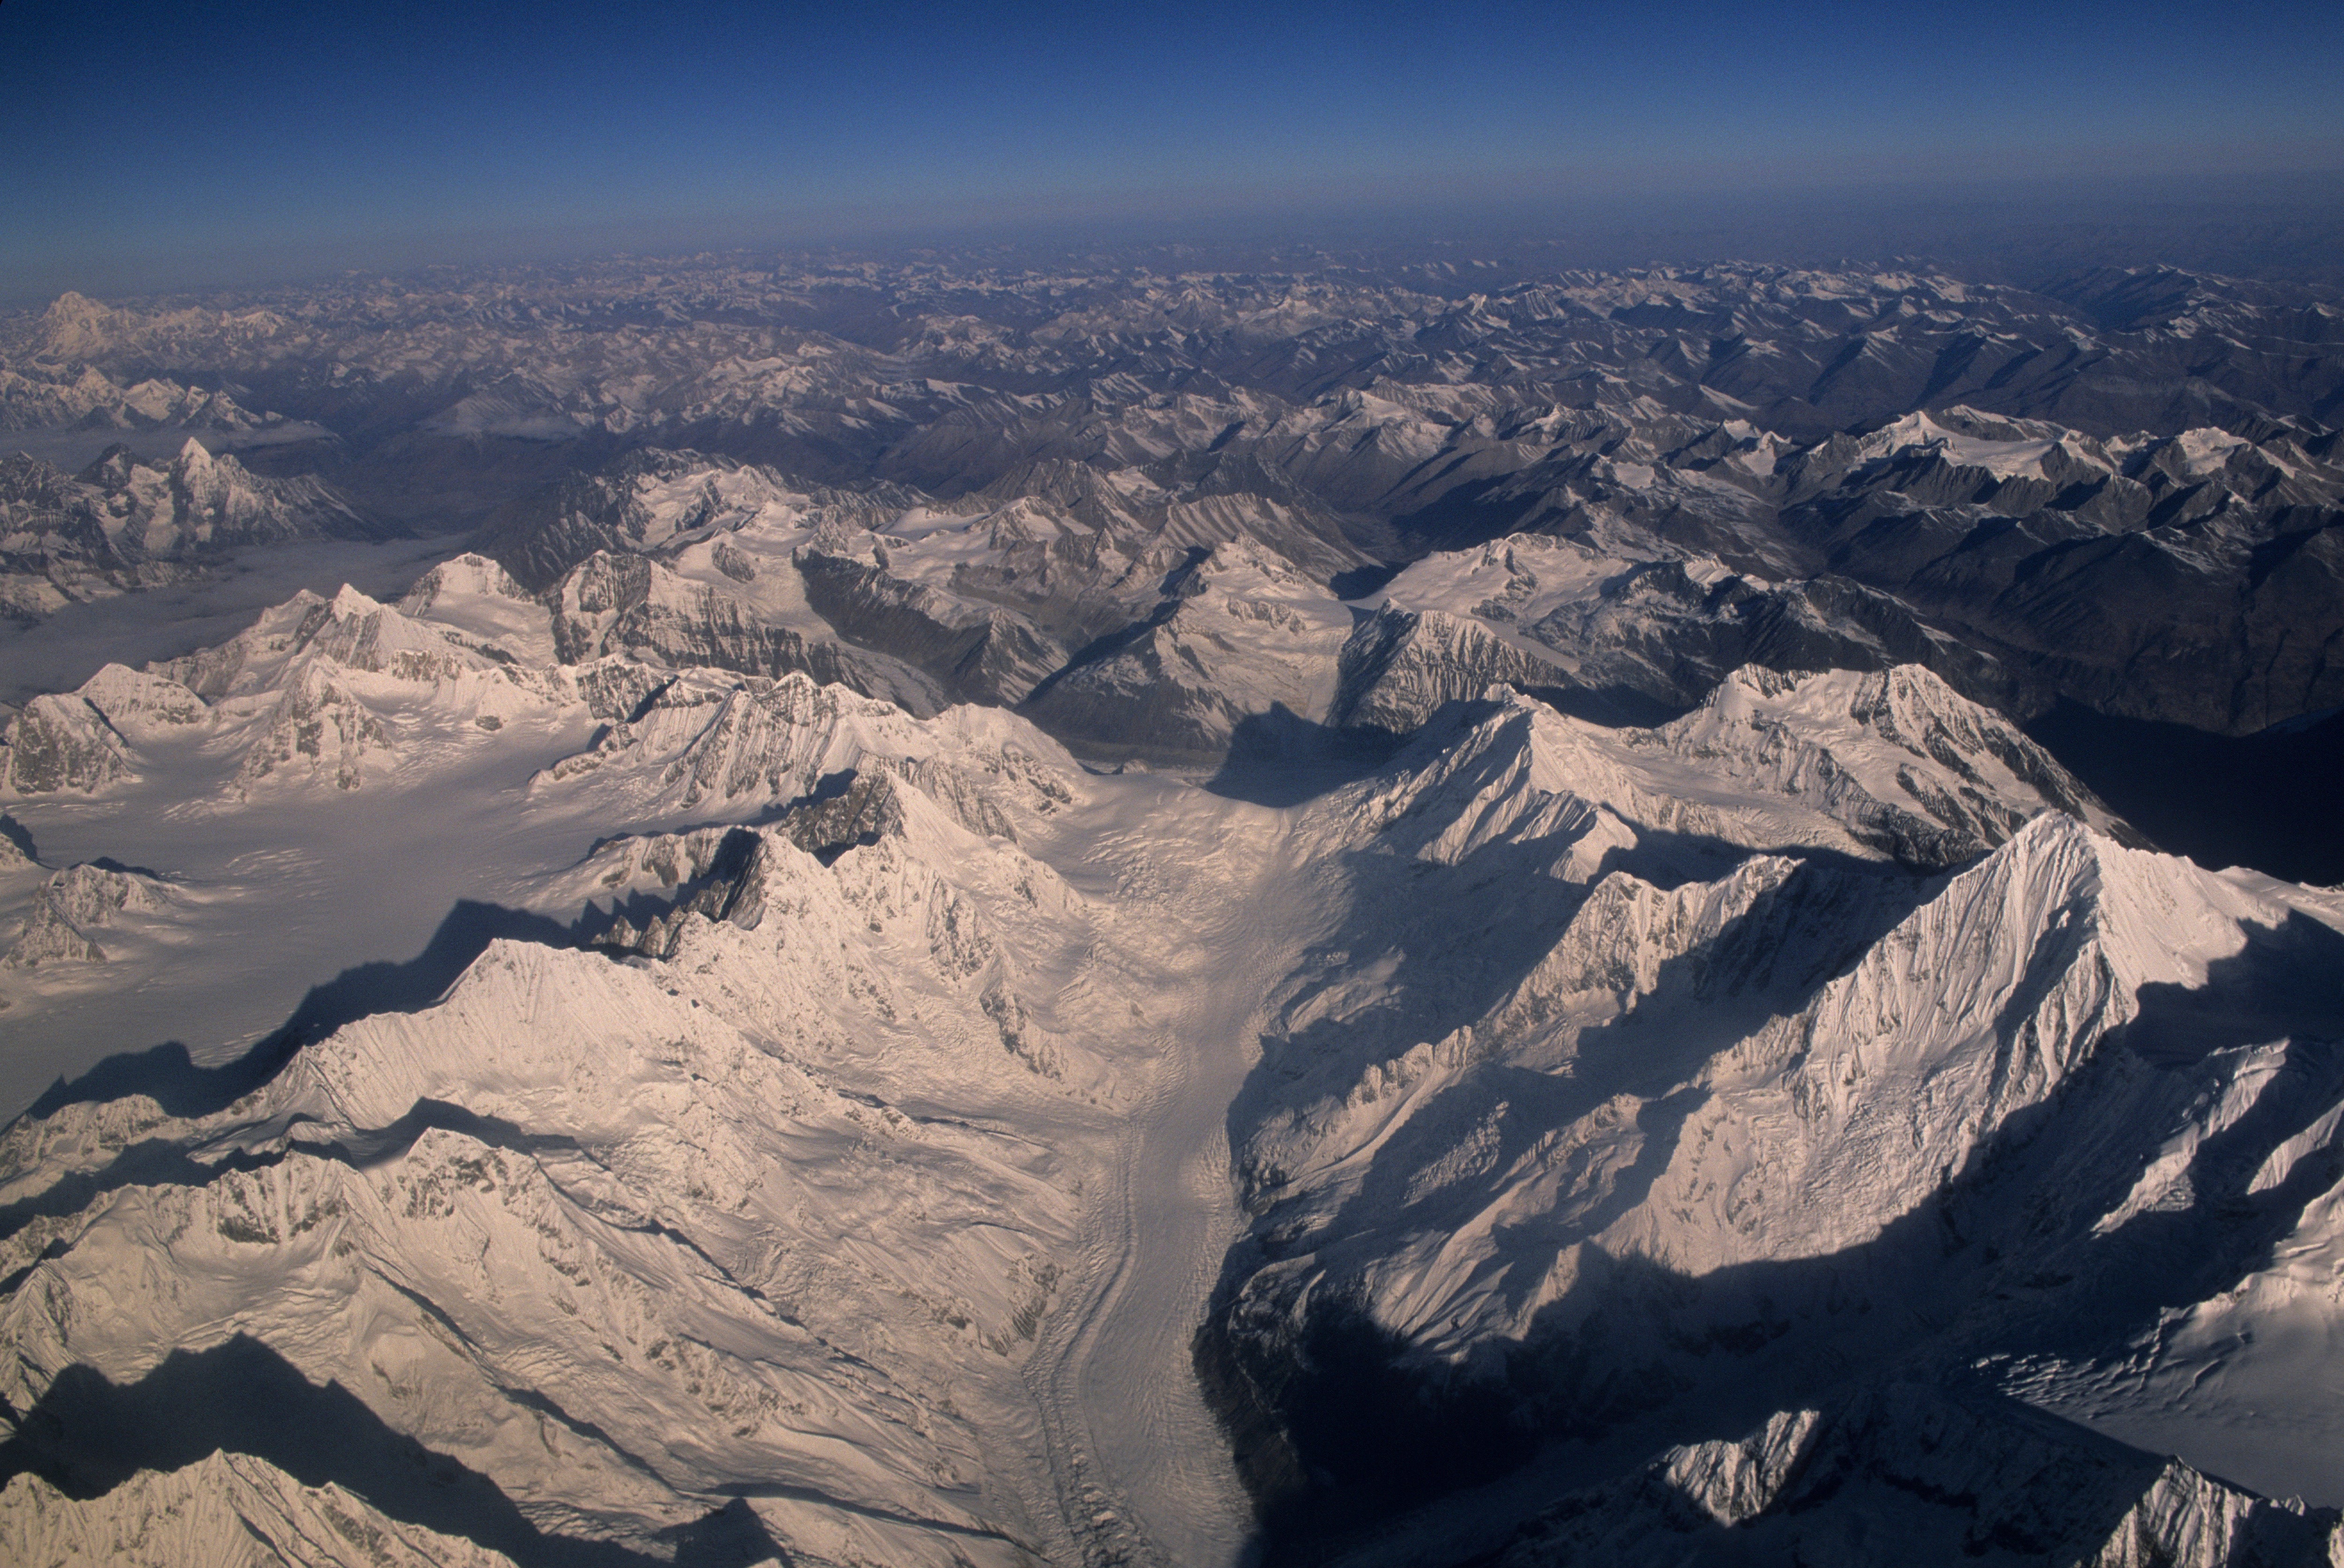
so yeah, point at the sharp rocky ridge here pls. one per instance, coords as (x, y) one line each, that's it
(1039, 914)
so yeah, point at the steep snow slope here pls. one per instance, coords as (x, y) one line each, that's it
(1241, 634)
(322, 791)
(810, 1128)
(1643, 622)
(227, 1510)
(804, 1176)
(657, 1173)
(1662, 1148)
(73, 905)
(583, 1277)
(1891, 763)
(336, 690)
(687, 560)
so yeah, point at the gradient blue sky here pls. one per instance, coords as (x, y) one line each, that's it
(166, 145)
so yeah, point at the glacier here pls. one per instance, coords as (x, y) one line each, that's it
(1146, 918)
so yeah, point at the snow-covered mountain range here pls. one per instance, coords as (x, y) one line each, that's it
(126, 523)
(1094, 916)
(1877, 457)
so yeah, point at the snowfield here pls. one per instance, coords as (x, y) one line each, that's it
(863, 1123)
(1161, 919)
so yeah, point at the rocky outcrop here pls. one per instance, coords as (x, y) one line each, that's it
(125, 523)
(1953, 1480)
(627, 605)
(1399, 665)
(63, 743)
(70, 907)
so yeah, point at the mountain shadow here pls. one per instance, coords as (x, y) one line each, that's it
(826, 824)
(2273, 801)
(87, 1435)
(1279, 758)
(169, 1076)
(1338, 1422)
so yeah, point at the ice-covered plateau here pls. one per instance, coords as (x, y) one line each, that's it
(693, 1034)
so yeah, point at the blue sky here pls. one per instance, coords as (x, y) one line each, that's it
(152, 145)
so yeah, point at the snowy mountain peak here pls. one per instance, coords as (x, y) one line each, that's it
(72, 907)
(1899, 737)
(1561, 1017)
(1885, 763)
(230, 1509)
(75, 327)
(2006, 448)
(1399, 666)
(350, 630)
(461, 578)
(61, 741)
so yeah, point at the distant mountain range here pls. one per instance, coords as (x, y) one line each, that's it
(1372, 914)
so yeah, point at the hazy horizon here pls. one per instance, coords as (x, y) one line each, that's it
(160, 151)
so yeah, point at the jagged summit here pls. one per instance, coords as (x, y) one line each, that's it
(879, 980)
(1893, 763)
(1715, 1107)
(127, 522)
(228, 1508)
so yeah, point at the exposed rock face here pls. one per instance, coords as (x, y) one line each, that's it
(62, 743)
(86, 740)
(16, 851)
(1889, 764)
(70, 907)
(317, 730)
(1703, 1142)
(544, 537)
(1663, 632)
(1239, 635)
(629, 605)
(2190, 576)
(1400, 665)
(1994, 552)
(658, 1263)
(1624, 1048)
(324, 692)
(1913, 767)
(979, 655)
(1951, 1481)
(124, 524)
(1874, 458)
